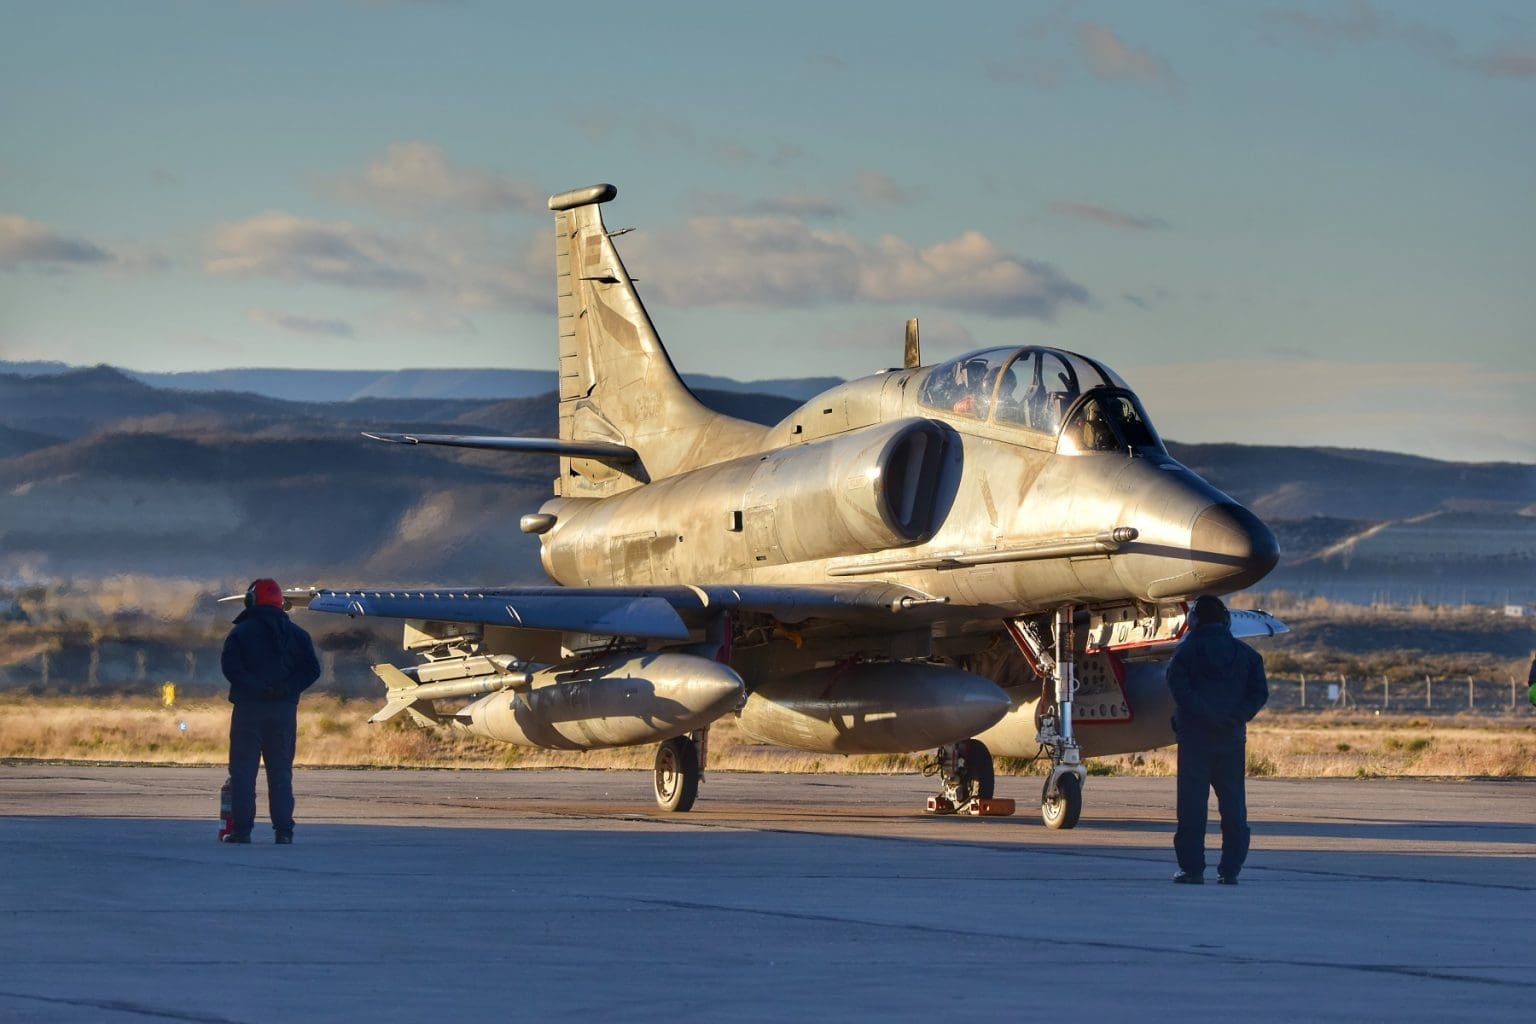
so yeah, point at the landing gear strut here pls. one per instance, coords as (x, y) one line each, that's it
(1061, 800)
(966, 768)
(679, 767)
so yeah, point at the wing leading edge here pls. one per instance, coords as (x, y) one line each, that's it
(663, 613)
(601, 450)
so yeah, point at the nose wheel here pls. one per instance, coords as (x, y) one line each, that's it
(1062, 808)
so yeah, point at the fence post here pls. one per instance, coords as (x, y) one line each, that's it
(1386, 693)
(1471, 702)
(1343, 691)
(1303, 689)
(1429, 693)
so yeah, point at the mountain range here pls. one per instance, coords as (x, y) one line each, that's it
(350, 385)
(103, 473)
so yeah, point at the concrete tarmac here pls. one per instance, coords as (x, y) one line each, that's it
(533, 895)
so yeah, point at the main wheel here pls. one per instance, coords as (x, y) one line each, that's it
(1067, 807)
(974, 770)
(677, 774)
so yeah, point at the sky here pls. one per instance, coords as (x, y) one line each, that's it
(1283, 223)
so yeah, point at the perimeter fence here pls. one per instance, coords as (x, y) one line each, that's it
(1426, 694)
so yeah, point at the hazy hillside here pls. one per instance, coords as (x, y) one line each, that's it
(135, 479)
(102, 474)
(19, 442)
(429, 383)
(1292, 483)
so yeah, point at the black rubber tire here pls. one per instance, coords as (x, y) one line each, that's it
(1064, 811)
(677, 774)
(977, 779)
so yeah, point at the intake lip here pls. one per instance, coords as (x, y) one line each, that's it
(1231, 547)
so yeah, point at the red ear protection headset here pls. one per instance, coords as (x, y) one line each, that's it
(254, 595)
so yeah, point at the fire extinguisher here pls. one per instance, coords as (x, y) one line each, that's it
(226, 810)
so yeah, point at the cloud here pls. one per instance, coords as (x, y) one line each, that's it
(297, 324)
(1362, 23)
(808, 205)
(870, 186)
(1111, 59)
(1503, 64)
(1056, 46)
(1108, 217)
(1041, 74)
(782, 262)
(27, 244)
(435, 321)
(415, 178)
(884, 336)
(670, 135)
(877, 188)
(280, 245)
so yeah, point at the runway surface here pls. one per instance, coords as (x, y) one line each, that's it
(436, 895)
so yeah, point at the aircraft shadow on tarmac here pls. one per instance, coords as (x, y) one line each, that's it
(707, 855)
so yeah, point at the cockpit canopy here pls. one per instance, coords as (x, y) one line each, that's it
(1083, 403)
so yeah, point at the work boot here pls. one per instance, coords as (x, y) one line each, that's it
(238, 839)
(1226, 879)
(285, 839)
(1188, 878)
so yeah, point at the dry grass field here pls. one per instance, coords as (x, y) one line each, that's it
(334, 731)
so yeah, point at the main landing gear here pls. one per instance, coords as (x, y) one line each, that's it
(679, 768)
(966, 768)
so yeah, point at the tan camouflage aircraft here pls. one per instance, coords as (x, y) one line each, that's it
(985, 556)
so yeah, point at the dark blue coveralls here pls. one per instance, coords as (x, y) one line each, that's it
(1218, 686)
(268, 661)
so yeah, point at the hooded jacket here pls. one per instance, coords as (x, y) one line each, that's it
(267, 657)
(1218, 684)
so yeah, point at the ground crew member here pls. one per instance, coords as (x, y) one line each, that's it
(1531, 680)
(268, 661)
(1218, 686)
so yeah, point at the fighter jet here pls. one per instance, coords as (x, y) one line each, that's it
(985, 556)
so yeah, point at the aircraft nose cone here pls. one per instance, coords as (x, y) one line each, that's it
(1231, 547)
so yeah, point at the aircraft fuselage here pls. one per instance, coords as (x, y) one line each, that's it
(868, 481)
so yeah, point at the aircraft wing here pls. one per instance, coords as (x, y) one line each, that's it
(601, 450)
(1256, 624)
(664, 612)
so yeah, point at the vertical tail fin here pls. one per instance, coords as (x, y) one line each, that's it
(617, 382)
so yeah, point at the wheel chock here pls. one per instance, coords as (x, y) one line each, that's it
(988, 808)
(939, 805)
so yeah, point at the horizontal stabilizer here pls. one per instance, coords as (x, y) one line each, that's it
(545, 608)
(601, 450)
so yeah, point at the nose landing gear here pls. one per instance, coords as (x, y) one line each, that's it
(1061, 799)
